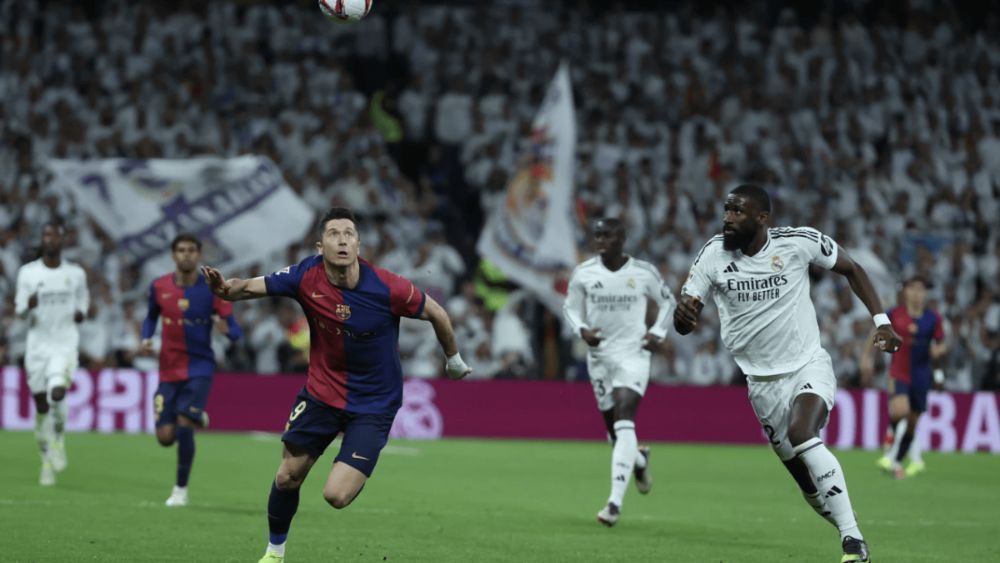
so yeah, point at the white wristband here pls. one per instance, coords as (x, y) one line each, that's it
(939, 376)
(881, 319)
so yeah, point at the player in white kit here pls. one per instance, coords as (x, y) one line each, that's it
(606, 305)
(52, 294)
(759, 279)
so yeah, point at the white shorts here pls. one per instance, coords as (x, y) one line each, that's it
(631, 372)
(772, 396)
(47, 371)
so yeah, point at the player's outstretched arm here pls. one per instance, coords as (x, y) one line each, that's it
(885, 338)
(456, 368)
(234, 289)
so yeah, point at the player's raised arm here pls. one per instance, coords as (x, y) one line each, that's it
(885, 338)
(234, 289)
(456, 368)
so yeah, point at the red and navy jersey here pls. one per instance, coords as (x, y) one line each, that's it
(186, 348)
(912, 362)
(353, 333)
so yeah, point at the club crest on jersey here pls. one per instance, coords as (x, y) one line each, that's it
(630, 283)
(183, 304)
(776, 264)
(914, 328)
(343, 311)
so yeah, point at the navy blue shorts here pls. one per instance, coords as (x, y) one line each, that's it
(916, 393)
(185, 398)
(312, 425)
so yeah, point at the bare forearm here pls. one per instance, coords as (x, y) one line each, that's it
(862, 286)
(238, 290)
(438, 318)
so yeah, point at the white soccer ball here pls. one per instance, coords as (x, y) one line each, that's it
(345, 10)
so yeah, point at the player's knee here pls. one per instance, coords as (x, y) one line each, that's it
(798, 435)
(58, 394)
(338, 499)
(287, 480)
(166, 437)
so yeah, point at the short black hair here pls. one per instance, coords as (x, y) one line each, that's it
(918, 278)
(613, 223)
(337, 213)
(56, 224)
(184, 237)
(756, 194)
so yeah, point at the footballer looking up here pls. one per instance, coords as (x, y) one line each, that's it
(759, 279)
(355, 382)
(606, 306)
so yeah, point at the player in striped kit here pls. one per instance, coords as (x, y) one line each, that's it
(52, 294)
(910, 374)
(355, 381)
(759, 279)
(188, 310)
(606, 306)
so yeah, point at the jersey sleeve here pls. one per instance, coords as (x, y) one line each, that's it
(82, 297)
(574, 306)
(699, 280)
(658, 291)
(405, 299)
(818, 248)
(224, 309)
(21, 293)
(152, 314)
(938, 327)
(285, 282)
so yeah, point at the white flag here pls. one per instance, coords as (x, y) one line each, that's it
(241, 208)
(530, 234)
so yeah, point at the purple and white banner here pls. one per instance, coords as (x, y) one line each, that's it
(241, 207)
(116, 400)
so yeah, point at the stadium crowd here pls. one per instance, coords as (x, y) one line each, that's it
(881, 131)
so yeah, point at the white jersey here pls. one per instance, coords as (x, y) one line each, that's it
(61, 293)
(616, 302)
(767, 316)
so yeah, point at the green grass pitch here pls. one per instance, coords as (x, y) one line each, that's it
(482, 500)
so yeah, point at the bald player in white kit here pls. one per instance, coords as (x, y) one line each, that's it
(606, 306)
(52, 294)
(759, 279)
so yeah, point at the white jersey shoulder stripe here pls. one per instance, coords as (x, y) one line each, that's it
(648, 267)
(716, 238)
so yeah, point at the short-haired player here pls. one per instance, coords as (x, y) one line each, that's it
(759, 279)
(355, 382)
(911, 374)
(182, 301)
(606, 306)
(51, 293)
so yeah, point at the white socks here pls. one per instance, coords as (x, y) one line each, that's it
(640, 460)
(818, 503)
(58, 411)
(623, 459)
(915, 453)
(42, 433)
(279, 549)
(829, 480)
(897, 437)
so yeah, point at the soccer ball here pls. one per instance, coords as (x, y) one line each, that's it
(345, 10)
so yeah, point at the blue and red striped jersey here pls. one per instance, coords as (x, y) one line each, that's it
(912, 362)
(186, 348)
(354, 333)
